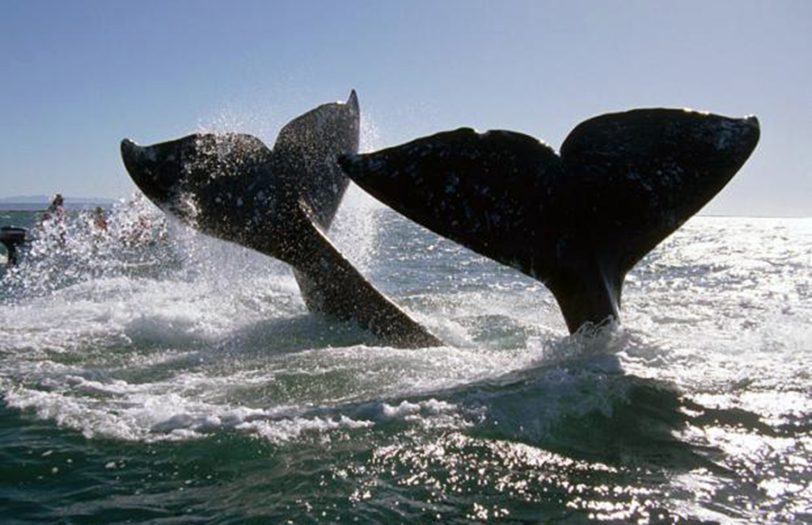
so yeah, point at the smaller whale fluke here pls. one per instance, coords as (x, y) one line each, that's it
(277, 202)
(578, 221)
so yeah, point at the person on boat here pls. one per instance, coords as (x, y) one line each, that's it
(100, 219)
(53, 219)
(141, 234)
(57, 207)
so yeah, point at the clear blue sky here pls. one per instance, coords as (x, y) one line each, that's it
(78, 76)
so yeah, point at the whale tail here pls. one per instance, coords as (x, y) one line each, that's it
(578, 221)
(233, 187)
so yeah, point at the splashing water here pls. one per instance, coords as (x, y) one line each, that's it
(72, 249)
(150, 371)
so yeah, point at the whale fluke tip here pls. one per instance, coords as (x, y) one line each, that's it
(352, 101)
(130, 153)
(131, 149)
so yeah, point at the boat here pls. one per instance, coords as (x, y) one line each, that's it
(12, 237)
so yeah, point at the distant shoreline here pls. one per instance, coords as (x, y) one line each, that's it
(33, 206)
(41, 202)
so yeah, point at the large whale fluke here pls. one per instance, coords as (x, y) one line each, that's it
(578, 221)
(278, 202)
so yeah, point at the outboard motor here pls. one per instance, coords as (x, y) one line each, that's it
(11, 237)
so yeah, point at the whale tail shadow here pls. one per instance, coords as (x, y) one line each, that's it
(578, 221)
(277, 202)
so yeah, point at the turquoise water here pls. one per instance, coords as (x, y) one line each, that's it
(152, 375)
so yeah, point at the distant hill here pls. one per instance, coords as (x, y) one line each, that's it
(40, 202)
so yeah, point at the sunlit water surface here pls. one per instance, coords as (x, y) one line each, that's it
(150, 374)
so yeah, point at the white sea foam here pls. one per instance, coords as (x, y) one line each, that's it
(407, 409)
(219, 338)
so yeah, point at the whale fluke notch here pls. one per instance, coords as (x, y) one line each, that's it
(277, 202)
(578, 221)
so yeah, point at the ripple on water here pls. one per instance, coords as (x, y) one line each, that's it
(187, 377)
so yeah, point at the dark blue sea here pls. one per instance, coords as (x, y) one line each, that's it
(149, 374)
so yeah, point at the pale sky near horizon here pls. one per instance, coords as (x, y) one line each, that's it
(79, 76)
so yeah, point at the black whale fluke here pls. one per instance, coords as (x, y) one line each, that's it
(277, 202)
(578, 221)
